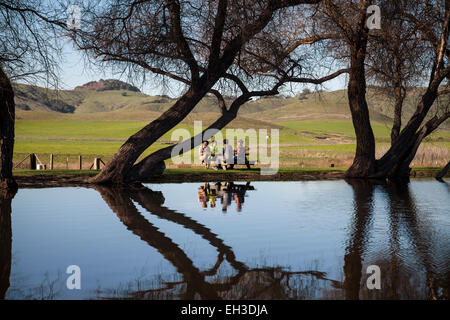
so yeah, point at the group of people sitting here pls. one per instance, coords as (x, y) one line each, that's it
(225, 158)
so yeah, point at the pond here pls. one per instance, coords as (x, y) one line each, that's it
(254, 240)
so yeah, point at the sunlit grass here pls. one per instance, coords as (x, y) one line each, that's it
(302, 143)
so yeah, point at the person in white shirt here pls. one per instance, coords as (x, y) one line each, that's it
(228, 155)
(204, 154)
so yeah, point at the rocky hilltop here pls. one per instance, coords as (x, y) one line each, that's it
(109, 84)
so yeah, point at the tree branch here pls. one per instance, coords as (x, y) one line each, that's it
(180, 40)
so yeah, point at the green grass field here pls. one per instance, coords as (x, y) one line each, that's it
(303, 144)
(337, 128)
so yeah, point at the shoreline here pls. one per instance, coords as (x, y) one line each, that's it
(75, 178)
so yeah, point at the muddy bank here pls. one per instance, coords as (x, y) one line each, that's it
(73, 180)
(37, 181)
(43, 181)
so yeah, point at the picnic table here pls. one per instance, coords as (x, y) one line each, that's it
(224, 165)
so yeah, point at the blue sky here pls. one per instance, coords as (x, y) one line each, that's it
(75, 72)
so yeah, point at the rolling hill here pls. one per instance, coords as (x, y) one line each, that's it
(117, 99)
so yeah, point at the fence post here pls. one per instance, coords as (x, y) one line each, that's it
(80, 162)
(97, 164)
(67, 163)
(32, 161)
(51, 161)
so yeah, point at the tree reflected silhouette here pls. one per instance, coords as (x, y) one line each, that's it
(247, 283)
(363, 211)
(398, 281)
(5, 240)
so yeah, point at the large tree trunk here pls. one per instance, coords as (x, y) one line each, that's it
(151, 164)
(7, 117)
(117, 170)
(364, 162)
(396, 162)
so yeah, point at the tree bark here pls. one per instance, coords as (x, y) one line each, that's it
(396, 162)
(7, 118)
(364, 161)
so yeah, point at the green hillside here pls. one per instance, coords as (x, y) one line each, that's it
(317, 106)
(94, 121)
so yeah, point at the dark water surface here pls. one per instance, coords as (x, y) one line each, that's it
(263, 240)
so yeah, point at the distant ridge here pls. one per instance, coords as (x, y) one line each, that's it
(109, 84)
(116, 95)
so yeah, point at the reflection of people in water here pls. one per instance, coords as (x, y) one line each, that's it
(203, 195)
(239, 200)
(226, 199)
(225, 191)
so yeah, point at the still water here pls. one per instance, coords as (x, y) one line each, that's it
(258, 240)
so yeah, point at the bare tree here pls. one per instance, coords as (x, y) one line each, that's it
(28, 51)
(355, 44)
(432, 19)
(398, 59)
(210, 46)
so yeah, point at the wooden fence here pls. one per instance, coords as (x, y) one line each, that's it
(33, 162)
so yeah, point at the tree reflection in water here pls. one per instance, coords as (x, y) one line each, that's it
(269, 283)
(407, 229)
(5, 240)
(399, 281)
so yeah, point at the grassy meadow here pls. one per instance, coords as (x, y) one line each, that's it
(315, 130)
(303, 144)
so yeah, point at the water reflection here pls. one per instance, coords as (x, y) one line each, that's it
(399, 281)
(363, 211)
(246, 283)
(5, 240)
(403, 213)
(225, 191)
(414, 265)
(279, 283)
